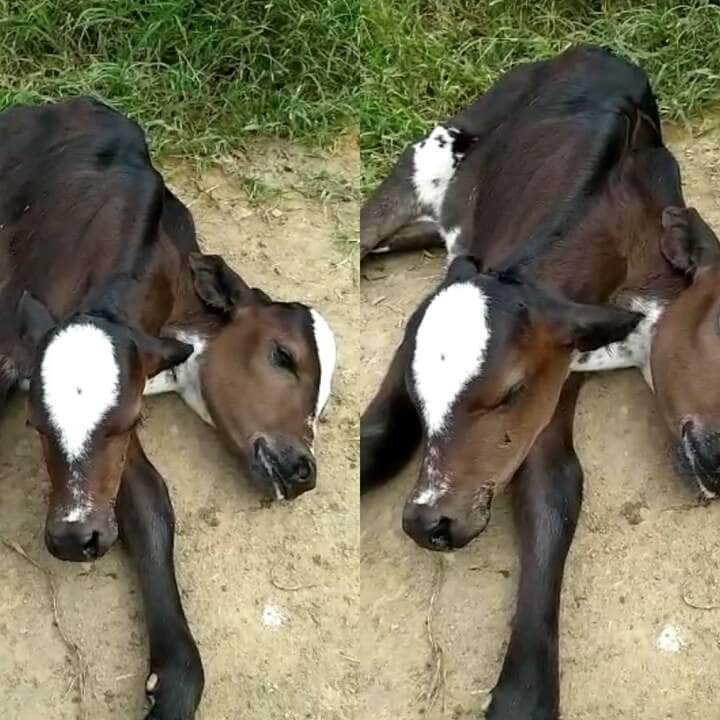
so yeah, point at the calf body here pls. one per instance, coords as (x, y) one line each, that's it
(552, 193)
(104, 297)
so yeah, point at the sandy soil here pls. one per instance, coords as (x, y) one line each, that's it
(265, 214)
(639, 561)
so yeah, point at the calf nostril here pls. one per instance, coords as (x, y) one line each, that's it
(685, 428)
(90, 548)
(260, 446)
(303, 469)
(440, 534)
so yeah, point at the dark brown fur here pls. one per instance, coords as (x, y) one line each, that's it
(562, 188)
(90, 233)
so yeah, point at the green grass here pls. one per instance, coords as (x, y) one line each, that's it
(202, 75)
(198, 74)
(424, 59)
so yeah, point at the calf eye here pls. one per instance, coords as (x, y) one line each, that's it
(481, 407)
(137, 423)
(283, 358)
(510, 395)
(116, 430)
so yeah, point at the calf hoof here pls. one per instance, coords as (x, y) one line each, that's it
(175, 685)
(521, 701)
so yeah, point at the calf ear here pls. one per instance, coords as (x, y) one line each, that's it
(463, 267)
(262, 296)
(33, 319)
(686, 240)
(588, 327)
(217, 285)
(160, 354)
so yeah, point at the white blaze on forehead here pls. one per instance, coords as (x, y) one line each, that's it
(325, 343)
(450, 349)
(434, 164)
(80, 384)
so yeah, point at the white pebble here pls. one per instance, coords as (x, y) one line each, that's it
(273, 616)
(669, 640)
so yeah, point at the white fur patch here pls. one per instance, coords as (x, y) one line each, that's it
(450, 237)
(184, 379)
(450, 349)
(82, 504)
(77, 514)
(428, 496)
(633, 351)
(434, 165)
(436, 483)
(80, 383)
(327, 353)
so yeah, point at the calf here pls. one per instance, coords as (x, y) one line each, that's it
(104, 296)
(565, 225)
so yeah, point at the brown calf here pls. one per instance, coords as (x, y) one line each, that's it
(553, 192)
(104, 296)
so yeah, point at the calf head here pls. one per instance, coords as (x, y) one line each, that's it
(488, 356)
(85, 400)
(685, 351)
(265, 374)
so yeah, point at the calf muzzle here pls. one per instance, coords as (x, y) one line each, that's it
(287, 466)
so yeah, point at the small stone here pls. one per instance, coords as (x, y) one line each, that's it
(273, 616)
(634, 512)
(669, 640)
(209, 515)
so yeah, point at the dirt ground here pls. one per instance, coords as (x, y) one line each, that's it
(283, 218)
(632, 644)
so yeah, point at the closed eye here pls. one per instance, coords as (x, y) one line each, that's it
(283, 358)
(137, 423)
(510, 396)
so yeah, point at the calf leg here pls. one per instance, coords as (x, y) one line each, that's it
(422, 234)
(391, 212)
(547, 495)
(402, 214)
(147, 527)
(390, 429)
